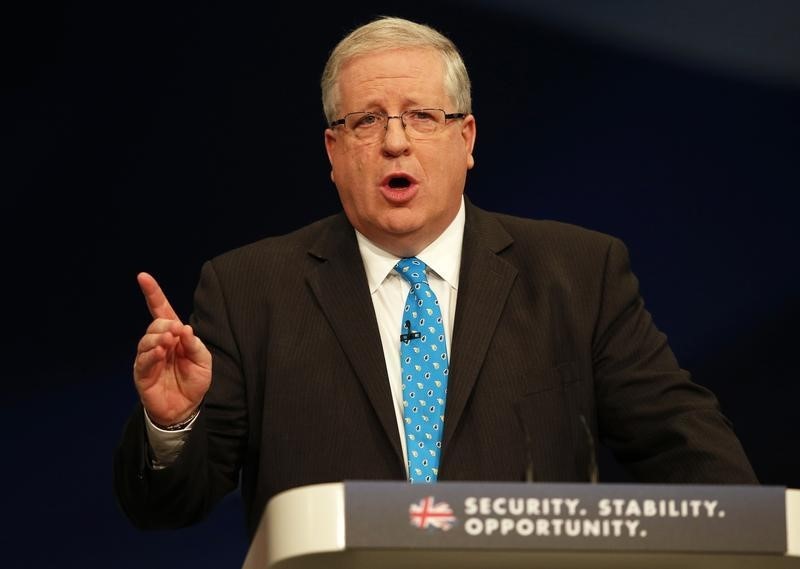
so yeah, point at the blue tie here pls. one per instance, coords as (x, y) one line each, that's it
(424, 366)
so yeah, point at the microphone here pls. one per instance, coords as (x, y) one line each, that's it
(409, 335)
(528, 456)
(594, 472)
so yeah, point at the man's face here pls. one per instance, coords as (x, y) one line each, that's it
(399, 192)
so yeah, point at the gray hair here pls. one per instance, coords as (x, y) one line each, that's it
(391, 33)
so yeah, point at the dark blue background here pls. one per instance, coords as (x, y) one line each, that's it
(153, 136)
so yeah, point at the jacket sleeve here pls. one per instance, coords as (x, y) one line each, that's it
(658, 423)
(209, 463)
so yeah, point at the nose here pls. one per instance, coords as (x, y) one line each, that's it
(395, 142)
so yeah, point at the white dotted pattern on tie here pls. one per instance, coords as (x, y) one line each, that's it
(424, 365)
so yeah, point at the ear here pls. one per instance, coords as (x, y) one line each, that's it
(330, 143)
(468, 134)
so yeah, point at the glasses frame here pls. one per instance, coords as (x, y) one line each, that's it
(388, 117)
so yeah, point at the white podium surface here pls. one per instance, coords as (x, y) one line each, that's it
(466, 525)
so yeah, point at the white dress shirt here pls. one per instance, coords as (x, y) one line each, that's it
(389, 291)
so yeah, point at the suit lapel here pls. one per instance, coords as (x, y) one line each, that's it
(484, 284)
(340, 285)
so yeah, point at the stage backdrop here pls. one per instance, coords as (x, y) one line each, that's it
(151, 136)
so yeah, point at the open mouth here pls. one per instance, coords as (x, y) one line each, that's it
(399, 183)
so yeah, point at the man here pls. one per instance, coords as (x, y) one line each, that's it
(299, 363)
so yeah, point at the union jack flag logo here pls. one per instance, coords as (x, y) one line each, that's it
(429, 513)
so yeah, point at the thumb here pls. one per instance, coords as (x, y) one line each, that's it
(193, 347)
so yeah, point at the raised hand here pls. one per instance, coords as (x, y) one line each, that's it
(172, 369)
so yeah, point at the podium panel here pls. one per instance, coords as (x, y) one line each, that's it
(393, 525)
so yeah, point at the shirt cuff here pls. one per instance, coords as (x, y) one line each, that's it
(165, 446)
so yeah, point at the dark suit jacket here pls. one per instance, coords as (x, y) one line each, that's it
(550, 330)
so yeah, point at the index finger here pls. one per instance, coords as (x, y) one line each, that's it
(157, 302)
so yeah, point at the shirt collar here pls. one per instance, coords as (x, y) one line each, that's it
(443, 256)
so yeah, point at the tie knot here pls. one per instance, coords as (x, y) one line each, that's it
(412, 269)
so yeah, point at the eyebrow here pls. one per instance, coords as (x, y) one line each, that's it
(375, 106)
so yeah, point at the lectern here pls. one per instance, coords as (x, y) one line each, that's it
(493, 525)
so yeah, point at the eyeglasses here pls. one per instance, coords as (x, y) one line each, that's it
(419, 124)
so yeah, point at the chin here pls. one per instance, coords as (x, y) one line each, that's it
(401, 221)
